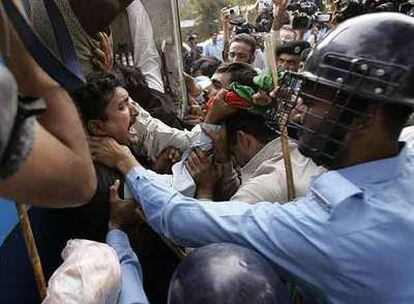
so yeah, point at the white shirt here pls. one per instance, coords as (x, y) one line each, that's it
(259, 60)
(146, 56)
(407, 135)
(154, 135)
(263, 178)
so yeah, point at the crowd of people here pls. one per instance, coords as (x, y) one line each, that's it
(143, 206)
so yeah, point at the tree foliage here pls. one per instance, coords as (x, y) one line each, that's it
(206, 13)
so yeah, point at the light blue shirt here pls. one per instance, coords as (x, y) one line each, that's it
(132, 290)
(214, 50)
(351, 237)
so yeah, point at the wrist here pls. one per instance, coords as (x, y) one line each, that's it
(222, 157)
(113, 226)
(205, 192)
(127, 164)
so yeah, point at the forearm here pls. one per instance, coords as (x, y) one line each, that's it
(278, 20)
(205, 193)
(132, 291)
(226, 42)
(52, 176)
(155, 136)
(62, 120)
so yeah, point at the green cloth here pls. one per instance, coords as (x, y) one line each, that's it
(244, 92)
(265, 80)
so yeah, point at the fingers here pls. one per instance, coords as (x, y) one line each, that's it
(99, 54)
(174, 155)
(261, 98)
(193, 162)
(191, 170)
(140, 215)
(98, 63)
(113, 192)
(201, 155)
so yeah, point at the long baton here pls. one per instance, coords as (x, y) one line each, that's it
(32, 249)
(270, 50)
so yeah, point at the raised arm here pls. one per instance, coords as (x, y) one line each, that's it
(225, 21)
(59, 171)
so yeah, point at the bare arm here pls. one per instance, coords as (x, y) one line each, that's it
(59, 170)
(279, 9)
(225, 21)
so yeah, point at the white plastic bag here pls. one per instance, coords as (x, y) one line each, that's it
(90, 274)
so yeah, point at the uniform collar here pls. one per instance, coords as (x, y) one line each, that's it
(376, 171)
(335, 187)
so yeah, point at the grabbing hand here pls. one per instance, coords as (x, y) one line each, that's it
(110, 153)
(220, 144)
(124, 212)
(204, 172)
(104, 57)
(165, 160)
(219, 108)
(279, 9)
(261, 98)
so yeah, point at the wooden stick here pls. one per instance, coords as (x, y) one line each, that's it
(32, 249)
(270, 50)
(180, 253)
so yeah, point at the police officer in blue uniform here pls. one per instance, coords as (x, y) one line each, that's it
(350, 237)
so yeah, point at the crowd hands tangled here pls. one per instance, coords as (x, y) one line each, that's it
(118, 165)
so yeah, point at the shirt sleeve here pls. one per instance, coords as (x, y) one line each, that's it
(290, 235)
(154, 135)
(145, 51)
(132, 290)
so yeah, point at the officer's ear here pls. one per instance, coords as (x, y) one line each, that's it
(245, 140)
(96, 127)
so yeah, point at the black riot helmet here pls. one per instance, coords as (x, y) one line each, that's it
(364, 60)
(226, 274)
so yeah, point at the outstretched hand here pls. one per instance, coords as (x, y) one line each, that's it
(104, 56)
(219, 109)
(110, 153)
(124, 212)
(204, 172)
(166, 159)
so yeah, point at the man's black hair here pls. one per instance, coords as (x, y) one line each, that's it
(206, 65)
(134, 83)
(250, 123)
(240, 72)
(247, 39)
(93, 99)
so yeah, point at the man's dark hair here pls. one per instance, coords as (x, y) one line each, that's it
(247, 39)
(240, 72)
(206, 65)
(93, 99)
(250, 123)
(134, 83)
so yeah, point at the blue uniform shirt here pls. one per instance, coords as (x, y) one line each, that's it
(132, 290)
(351, 237)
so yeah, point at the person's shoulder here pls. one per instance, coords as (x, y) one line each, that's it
(106, 177)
